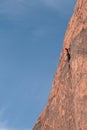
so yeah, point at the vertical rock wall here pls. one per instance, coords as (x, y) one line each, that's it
(66, 108)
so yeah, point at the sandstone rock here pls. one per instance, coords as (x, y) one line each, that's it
(67, 104)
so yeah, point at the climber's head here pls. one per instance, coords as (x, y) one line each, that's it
(66, 48)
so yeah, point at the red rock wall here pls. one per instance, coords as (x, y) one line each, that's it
(67, 104)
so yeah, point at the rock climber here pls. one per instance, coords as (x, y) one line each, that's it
(67, 54)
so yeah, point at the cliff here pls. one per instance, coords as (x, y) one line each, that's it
(66, 108)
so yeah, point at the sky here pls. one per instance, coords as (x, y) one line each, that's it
(31, 39)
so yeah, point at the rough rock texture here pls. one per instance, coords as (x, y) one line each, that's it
(67, 104)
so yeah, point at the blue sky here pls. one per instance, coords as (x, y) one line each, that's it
(31, 37)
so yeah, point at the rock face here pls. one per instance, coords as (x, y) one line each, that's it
(67, 104)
